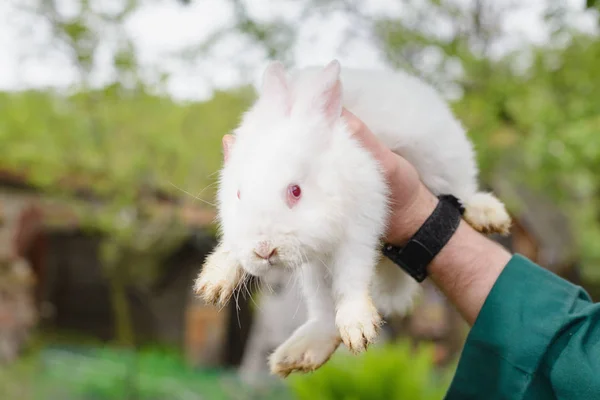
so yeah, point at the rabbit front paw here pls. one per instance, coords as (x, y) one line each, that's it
(358, 322)
(218, 279)
(213, 290)
(309, 347)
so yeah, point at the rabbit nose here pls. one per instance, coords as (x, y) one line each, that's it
(265, 251)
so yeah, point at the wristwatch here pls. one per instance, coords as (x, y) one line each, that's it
(426, 243)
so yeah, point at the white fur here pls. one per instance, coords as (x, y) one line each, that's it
(486, 213)
(293, 134)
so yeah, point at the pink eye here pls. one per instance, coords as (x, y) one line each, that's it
(238, 194)
(294, 194)
(295, 191)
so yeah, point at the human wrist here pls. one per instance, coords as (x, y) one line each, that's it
(467, 268)
(468, 265)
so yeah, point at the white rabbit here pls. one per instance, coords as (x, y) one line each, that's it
(298, 192)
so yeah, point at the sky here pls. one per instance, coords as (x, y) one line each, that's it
(161, 27)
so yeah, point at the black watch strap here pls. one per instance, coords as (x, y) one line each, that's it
(427, 242)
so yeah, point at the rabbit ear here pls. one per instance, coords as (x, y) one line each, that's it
(331, 95)
(325, 95)
(227, 142)
(275, 86)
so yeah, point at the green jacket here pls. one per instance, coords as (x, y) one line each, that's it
(536, 337)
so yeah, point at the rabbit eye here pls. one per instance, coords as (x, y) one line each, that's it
(294, 192)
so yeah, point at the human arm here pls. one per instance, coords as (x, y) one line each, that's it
(534, 335)
(537, 336)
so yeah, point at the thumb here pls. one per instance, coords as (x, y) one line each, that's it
(365, 136)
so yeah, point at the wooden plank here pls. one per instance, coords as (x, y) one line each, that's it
(205, 334)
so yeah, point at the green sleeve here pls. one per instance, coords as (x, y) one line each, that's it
(536, 337)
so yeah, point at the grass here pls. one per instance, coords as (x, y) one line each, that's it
(56, 369)
(90, 372)
(392, 371)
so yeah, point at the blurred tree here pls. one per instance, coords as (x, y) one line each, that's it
(534, 106)
(120, 144)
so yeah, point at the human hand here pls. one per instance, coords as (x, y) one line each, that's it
(469, 264)
(411, 201)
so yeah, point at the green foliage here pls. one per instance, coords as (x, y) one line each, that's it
(533, 114)
(545, 122)
(16, 381)
(119, 142)
(108, 374)
(116, 142)
(84, 373)
(122, 145)
(123, 141)
(388, 372)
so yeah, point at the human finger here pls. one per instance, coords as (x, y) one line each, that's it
(367, 138)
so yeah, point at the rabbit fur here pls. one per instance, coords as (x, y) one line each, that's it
(293, 137)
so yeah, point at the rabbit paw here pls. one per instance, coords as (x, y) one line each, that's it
(309, 347)
(358, 323)
(486, 214)
(214, 290)
(218, 279)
